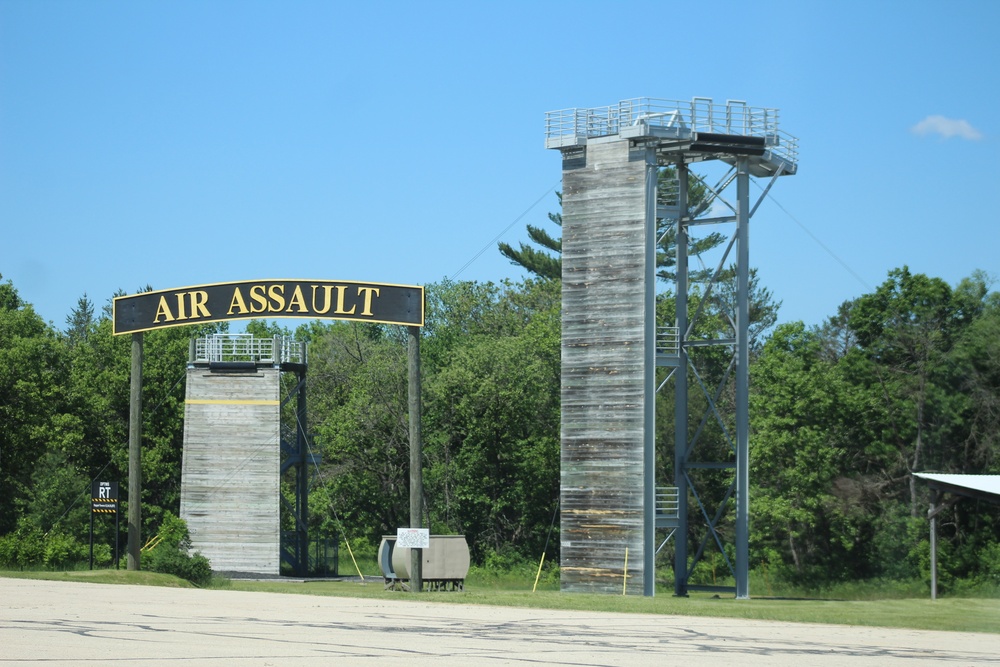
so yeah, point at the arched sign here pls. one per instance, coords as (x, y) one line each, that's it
(258, 299)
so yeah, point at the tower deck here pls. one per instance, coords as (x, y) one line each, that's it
(692, 131)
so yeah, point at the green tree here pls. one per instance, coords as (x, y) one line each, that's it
(97, 389)
(906, 330)
(493, 412)
(490, 360)
(898, 381)
(977, 358)
(835, 334)
(80, 322)
(33, 407)
(803, 525)
(547, 262)
(763, 308)
(357, 384)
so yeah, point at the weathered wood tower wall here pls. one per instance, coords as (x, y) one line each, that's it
(607, 364)
(230, 470)
(610, 347)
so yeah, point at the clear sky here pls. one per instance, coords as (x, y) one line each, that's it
(182, 143)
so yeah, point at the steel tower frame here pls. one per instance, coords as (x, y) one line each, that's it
(679, 134)
(736, 433)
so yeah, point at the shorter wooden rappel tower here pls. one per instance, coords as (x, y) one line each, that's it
(235, 454)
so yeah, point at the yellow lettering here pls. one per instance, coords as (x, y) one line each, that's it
(277, 294)
(163, 310)
(238, 302)
(297, 300)
(259, 297)
(340, 302)
(199, 304)
(181, 313)
(367, 291)
(326, 301)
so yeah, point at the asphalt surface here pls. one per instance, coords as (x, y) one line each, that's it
(68, 623)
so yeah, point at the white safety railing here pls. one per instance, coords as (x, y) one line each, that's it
(701, 114)
(668, 193)
(224, 348)
(668, 341)
(667, 502)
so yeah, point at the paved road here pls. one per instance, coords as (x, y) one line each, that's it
(68, 623)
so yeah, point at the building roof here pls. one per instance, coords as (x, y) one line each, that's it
(984, 487)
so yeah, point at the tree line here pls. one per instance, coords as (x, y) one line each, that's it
(900, 380)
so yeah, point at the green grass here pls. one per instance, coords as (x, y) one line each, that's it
(103, 577)
(968, 614)
(957, 614)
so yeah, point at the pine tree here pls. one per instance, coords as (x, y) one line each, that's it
(80, 320)
(547, 262)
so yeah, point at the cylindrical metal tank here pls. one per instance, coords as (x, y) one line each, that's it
(446, 559)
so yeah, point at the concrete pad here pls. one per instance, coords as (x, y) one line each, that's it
(69, 623)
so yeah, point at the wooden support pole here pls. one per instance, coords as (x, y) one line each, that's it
(135, 455)
(416, 455)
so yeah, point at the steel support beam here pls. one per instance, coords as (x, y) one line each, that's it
(742, 378)
(649, 390)
(736, 433)
(295, 454)
(302, 482)
(681, 392)
(932, 513)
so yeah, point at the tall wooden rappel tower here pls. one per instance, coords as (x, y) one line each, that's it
(614, 223)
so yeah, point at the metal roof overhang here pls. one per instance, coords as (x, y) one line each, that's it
(672, 146)
(982, 487)
(681, 143)
(978, 487)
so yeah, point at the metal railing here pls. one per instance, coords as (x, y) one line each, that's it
(701, 114)
(667, 502)
(247, 348)
(668, 341)
(668, 194)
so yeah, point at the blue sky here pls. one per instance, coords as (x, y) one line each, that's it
(182, 143)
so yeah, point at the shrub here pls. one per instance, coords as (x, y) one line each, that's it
(506, 560)
(25, 547)
(102, 554)
(172, 554)
(170, 560)
(62, 550)
(173, 532)
(8, 551)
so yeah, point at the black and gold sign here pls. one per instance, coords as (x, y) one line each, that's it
(104, 497)
(260, 299)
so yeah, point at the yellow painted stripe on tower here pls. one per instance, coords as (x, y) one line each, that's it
(206, 401)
